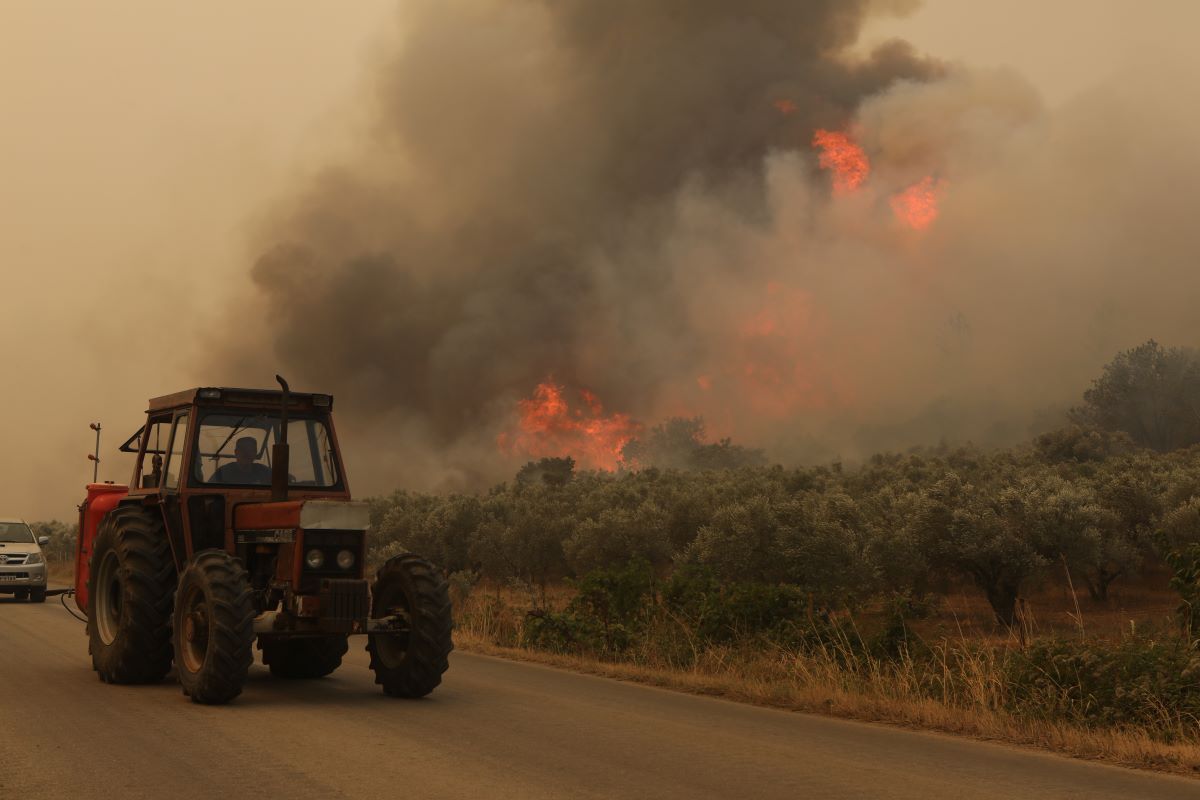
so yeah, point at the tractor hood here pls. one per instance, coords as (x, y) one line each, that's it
(310, 515)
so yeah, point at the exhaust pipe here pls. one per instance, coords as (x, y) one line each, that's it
(280, 472)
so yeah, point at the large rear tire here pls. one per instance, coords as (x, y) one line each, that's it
(131, 579)
(411, 663)
(302, 658)
(214, 628)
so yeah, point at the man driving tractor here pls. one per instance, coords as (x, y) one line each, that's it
(245, 469)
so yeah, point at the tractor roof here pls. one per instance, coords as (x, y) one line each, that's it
(224, 396)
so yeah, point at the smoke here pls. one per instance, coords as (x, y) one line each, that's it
(623, 197)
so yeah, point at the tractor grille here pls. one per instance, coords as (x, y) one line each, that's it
(343, 603)
(330, 543)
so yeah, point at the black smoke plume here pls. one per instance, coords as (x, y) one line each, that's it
(499, 226)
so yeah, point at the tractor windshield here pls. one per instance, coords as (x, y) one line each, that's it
(234, 449)
(15, 532)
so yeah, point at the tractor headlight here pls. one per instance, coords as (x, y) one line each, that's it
(315, 559)
(36, 558)
(345, 559)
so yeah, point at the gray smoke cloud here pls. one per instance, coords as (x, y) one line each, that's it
(624, 196)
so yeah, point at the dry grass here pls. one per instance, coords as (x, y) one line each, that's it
(838, 681)
(1054, 610)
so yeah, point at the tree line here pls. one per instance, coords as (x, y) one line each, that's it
(1095, 501)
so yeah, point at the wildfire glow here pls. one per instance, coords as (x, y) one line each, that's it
(842, 155)
(786, 107)
(917, 206)
(782, 367)
(548, 425)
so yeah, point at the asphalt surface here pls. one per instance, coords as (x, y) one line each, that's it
(495, 729)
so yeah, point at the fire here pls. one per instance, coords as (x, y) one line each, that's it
(786, 107)
(548, 425)
(782, 366)
(917, 206)
(844, 157)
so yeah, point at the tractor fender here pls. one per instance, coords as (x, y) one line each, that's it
(101, 499)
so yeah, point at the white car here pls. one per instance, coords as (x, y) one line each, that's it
(22, 564)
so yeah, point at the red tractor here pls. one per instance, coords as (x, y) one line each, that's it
(238, 525)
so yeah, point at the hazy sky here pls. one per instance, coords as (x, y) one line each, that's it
(140, 141)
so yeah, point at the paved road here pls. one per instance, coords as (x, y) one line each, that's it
(495, 729)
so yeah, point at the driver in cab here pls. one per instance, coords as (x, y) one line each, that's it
(244, 468)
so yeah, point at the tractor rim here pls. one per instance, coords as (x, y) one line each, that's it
(194, 629)
(392, 648)
(108, 598)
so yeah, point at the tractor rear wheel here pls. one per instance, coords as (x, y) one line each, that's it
(131, 578)
(302, 658)
(410, 663)
(213, 628)
(38, 595)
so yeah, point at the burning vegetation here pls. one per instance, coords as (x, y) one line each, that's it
(917, 206)
(842, 156)
(549, 425)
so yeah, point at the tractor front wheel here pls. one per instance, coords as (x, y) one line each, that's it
(302, 658)
(130, 583)
(410, 662)
(213, 628)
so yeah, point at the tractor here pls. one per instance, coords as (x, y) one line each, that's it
(238, 526)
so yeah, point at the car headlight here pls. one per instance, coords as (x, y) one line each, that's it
(34, 558)
(315, 559)
(345, 559)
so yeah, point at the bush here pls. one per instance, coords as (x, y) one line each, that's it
(719, 612)
(1141, 682)
(1185, 580)
(610, 608)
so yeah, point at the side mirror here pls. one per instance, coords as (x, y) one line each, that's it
(43, 541)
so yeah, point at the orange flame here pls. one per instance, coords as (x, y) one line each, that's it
(917, 206)
(786, 107)
(844, 157)
(547, 425)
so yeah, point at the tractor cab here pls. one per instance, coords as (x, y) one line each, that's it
(206, 460)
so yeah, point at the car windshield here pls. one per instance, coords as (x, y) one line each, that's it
(235, 449)
(15, 532)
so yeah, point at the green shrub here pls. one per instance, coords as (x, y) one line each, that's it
(561, 632)
(1151, 683)
(725, 612)
(610, 609)
(1185, 565)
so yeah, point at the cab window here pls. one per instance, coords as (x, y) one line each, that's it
(175, 458)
